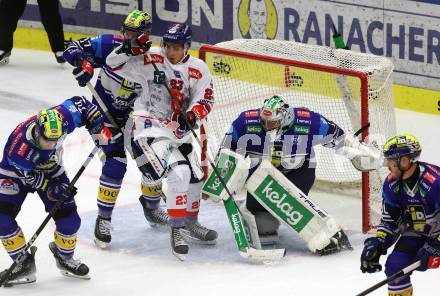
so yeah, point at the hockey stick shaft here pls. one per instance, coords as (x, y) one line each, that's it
(102, 105)
(401, 273)
(55, 208)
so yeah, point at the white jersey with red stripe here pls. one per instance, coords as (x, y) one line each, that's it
(152, 110)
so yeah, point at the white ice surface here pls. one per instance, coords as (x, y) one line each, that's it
(139, 261)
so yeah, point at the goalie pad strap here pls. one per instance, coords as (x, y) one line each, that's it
(291, 206)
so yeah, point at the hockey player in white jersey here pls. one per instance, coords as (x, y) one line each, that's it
(162, 122)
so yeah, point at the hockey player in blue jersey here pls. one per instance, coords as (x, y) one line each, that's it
(118, 95)
(285, 136)
(32, 162)
(410, 215)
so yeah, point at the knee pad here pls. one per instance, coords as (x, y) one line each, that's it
(7, 224)
(179, 176)
(67, 221)
(115, 168)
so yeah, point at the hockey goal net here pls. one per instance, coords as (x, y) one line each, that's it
(349, 88)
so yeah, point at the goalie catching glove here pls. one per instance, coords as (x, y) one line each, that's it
(362, 156)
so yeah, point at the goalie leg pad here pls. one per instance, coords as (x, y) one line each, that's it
(233, 168)
(291, 206)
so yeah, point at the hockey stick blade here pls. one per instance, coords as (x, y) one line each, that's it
(260, 255)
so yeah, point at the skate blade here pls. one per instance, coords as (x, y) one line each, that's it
(24, 280)
(191, 239)
(69, 274)
(181, 257)
(101, 244)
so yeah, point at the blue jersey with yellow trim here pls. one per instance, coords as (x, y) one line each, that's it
(287, 147)
(415, 209)
(22, 153)
(118, 94)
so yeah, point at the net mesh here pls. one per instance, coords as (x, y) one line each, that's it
(307, 76)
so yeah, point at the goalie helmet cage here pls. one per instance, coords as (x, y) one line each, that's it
(349, 88)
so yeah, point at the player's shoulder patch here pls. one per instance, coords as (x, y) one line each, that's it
(251, 113)
(194, 73)
(8, 187)
(303, 112)
(156, 57)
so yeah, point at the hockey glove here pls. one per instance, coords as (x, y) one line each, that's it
(36, 180)
(57, 191)
(429, 255)
(182, 126)
(83, 72)
(136, 46)
(373, 249)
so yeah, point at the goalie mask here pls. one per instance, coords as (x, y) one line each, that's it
(274, 113)
(402, 145)
(50, 124)
(137, 21)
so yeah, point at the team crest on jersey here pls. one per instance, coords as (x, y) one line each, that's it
(194, 73)
(177, 74)
(253, 113)
(429, 177)
(303, 113)
(8, 187)
(157, 59)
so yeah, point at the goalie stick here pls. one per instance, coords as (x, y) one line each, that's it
(399, 274)
(245, 250)
(22, 255)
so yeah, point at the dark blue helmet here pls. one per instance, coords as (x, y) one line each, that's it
(178, 34)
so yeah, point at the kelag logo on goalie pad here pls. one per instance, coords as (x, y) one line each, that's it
(283, 204)
(226, 166)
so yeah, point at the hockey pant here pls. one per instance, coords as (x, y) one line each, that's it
(181, 166)
(402, 255)
(12, 195)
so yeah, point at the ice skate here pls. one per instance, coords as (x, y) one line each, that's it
(157, 218)
(196, 233)
(4, 57)
(103, 236)
(178, 244)
(23, 273)
(69, 267)
(338, 242)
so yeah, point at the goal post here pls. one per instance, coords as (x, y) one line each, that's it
(349, 88)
